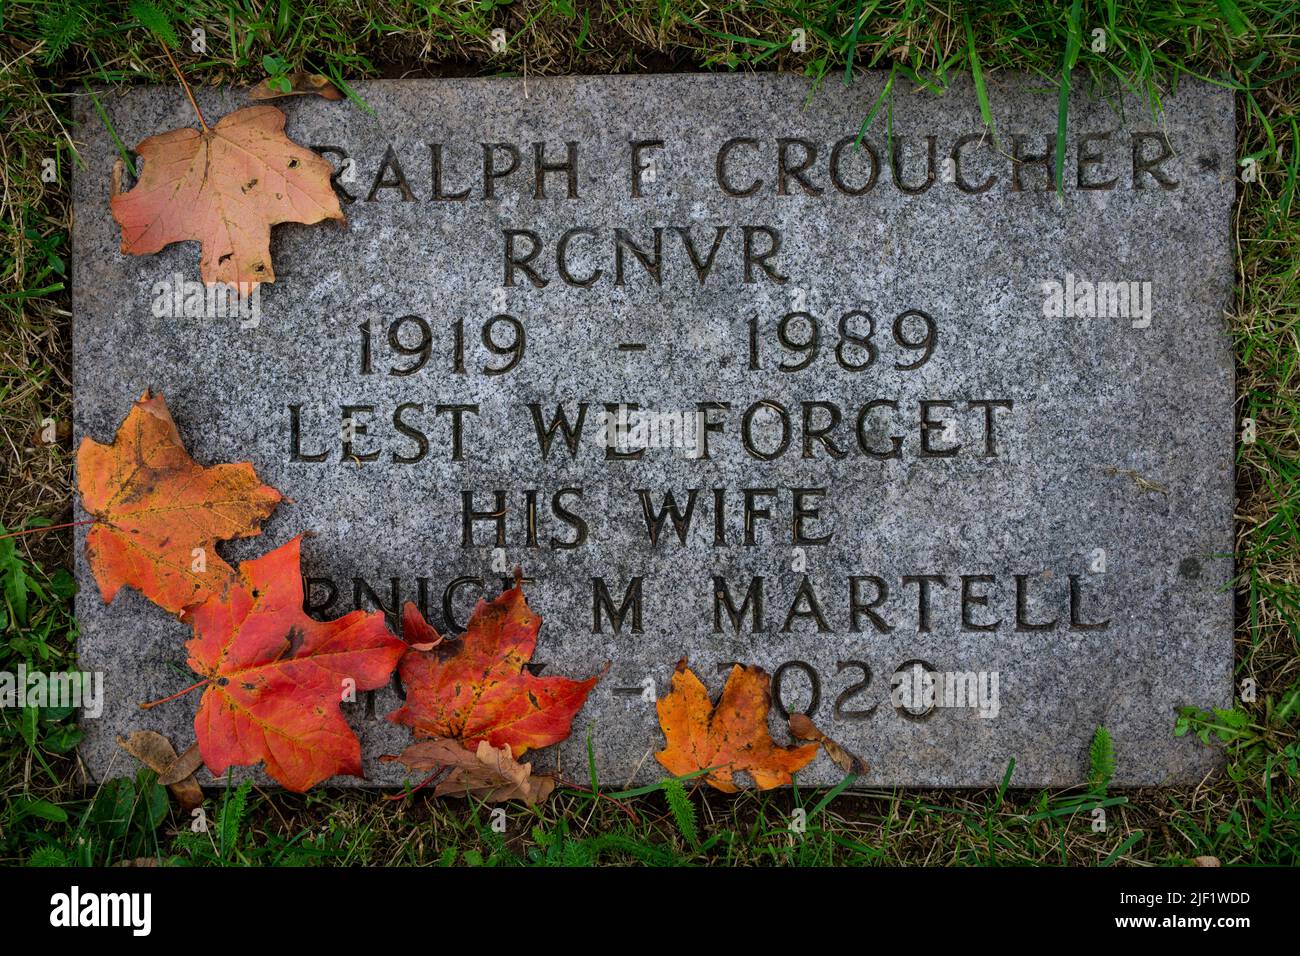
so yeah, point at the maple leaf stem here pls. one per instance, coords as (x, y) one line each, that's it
(179, 693)
(48, 527)
(188, 92)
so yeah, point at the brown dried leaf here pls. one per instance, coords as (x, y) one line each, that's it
(804, 729)
(300, 84)
(489, 773)
(62, 434)
(186, 765)
(157, 753)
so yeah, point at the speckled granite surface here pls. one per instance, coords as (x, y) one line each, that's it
(1118, 434)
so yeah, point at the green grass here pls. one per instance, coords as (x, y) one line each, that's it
(1248, 814)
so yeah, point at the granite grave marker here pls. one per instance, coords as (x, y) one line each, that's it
(728, 385)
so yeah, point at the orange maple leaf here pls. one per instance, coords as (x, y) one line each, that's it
(729, 737)
(225, 187)
(474, 688)
(158, 513)
(275, 677)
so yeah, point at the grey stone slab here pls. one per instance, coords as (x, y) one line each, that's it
(1119, 436)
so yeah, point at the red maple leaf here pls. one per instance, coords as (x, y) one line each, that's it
(275, 677)
(475, 688)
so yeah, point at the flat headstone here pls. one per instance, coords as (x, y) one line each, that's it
(1008, 454)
